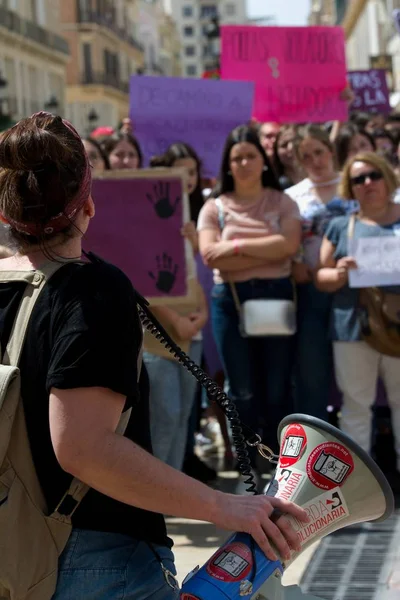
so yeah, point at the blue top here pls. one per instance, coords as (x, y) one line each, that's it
(344, 323)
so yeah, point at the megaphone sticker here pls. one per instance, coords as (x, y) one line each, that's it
(287, 483)
(329, 465)
(293, 446)
(231, 563)
(322, 511)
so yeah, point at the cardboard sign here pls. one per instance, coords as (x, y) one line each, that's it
(371, 91)
(299, 71)
(199, 112)
(137, 227)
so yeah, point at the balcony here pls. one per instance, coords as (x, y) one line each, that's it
(107, 79)
(28, 29)
(86, 16)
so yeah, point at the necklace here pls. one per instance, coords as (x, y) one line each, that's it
(326, 183)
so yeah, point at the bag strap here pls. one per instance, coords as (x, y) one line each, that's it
(221, 221)
(351, 226)
(35, 281)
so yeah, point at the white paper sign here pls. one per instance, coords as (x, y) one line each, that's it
(378, 261)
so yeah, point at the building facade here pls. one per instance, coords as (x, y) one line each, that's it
(33, 58)
(105, 51)
(193, 19)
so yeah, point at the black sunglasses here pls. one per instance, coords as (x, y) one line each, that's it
(361, 179)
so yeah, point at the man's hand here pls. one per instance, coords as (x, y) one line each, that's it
(252, 514)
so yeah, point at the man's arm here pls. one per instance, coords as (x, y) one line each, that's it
(82, 425)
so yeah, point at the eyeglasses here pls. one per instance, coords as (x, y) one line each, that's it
(361, 179)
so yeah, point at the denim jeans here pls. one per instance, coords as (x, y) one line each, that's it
(109, 566)
(172, 394)
(313, 375)
(258, 369)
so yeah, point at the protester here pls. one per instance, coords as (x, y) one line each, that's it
(84, 341)
(97, 158)
(370, 180)
(318, 201)
(351, 140)
(250, 251)
(268, 134)
(385, 145)
(123, 151)
(288, 169)
(183, 156)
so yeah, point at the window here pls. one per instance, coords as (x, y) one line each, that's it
(187, 11)
(191, 70)
(209, 11)
(188, 31)
(230, 10)
(87, 62)
(190, 51)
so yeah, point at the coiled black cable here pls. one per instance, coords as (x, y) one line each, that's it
(214, 392)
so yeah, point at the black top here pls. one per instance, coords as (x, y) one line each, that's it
(84, 332)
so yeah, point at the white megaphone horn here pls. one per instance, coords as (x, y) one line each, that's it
(322, 470)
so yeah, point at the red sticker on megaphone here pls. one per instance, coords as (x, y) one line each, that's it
(232, 562)
(293, 445)
(329, 465)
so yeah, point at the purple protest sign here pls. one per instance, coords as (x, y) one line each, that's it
(371, 91)
(137, 227)
(200, 112)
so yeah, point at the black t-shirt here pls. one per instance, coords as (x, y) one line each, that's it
(84, 332)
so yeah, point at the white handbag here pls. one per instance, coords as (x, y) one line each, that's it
(262, 316)
(265, 317)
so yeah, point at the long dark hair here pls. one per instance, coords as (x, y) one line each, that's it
(110, 143)
(180, 151)
(242, 134)
(344, 138)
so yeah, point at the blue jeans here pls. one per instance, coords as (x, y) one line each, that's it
(172, 394)
(313, 373)
(258, 369)
(109, 566)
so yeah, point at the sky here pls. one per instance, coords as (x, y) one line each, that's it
(287, 12)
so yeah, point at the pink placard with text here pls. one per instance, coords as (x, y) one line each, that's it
(299, 71)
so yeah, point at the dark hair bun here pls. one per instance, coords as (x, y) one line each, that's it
(42, 165)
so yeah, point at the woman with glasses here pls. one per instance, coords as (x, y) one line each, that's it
(369, 179)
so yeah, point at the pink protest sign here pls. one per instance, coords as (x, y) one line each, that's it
(299, 71)
(137, 227)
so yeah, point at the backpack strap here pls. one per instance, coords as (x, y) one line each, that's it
(35, 281)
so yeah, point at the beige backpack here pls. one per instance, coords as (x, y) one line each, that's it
(31, 539)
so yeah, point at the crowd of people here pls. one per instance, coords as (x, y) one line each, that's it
(286, 193)
(275, 226)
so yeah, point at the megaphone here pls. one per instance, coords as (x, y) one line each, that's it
(325, 472)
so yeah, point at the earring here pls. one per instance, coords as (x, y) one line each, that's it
(229, 172)
(265, 168)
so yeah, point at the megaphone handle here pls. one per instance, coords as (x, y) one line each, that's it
(214, 392)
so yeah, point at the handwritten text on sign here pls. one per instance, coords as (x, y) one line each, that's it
(371, 90)
(299, 71)
(378, 261)
(200, 112)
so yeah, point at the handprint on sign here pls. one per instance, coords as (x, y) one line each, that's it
(167, 271)
(161, 200)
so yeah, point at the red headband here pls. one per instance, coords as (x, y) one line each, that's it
(63, 219)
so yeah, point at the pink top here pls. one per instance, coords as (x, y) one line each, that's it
(250, 221)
